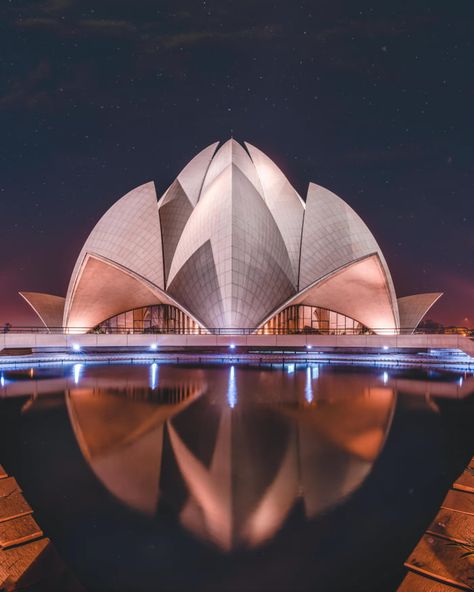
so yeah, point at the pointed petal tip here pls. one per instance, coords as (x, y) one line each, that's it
(26, 293)
(434, 295)
(213, 145)
(232, 142)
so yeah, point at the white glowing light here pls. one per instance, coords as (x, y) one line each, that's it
(315, 372)
(76, 347)
(308, 389)
(460, 381)
(385, 377)
(309, 346)
(2, 380)
(154, 376)
(154, 346)
(76, 372)
(232, 346)
(290, 368)
(385, 347)
(232, 388)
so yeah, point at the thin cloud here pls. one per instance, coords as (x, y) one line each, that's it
(107, 26)
(31, 91)
(196, 37)
(39, 22)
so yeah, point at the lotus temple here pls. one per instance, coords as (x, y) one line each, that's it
(231, 245)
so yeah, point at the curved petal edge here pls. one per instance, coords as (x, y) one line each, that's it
(414, 308)
(49, 308)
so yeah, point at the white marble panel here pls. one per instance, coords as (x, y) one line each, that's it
(104, 290)
(284, 203)
(334, 236)
(358, 291)
(128, 234)
(49, 308)
(231, 265)
(414, 308)
(192, 176)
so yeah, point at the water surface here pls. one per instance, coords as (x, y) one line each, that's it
(162, 477)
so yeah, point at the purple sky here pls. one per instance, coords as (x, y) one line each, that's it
(371, 100)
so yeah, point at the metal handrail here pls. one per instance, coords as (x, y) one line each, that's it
(462, 331)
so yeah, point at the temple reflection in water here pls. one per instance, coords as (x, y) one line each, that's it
(233, 453)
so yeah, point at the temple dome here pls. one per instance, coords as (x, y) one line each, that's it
(231, 244)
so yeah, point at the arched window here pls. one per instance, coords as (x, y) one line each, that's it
(300, 318)
(157, 318)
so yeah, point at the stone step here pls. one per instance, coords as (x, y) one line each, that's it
(13, 506)
(465, 482)
(414, 582)
(18, 561)
(8, 486)
(437, 558)
(19, 530)
(460, 501)
(36, 567)
(453, 525)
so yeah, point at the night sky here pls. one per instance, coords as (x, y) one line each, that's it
(373, 101)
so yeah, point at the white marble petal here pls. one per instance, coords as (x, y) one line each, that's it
(175, 209)
(105, 289)
(284, 203)
(192, 176)
(414, 308)
(358, 290)
(244, 270)
(49, 308)
(128, 234)
(334, 236)
(231, 152)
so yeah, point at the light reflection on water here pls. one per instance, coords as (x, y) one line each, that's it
(153, 376)
(76, 372)
(308, 390)
(267, 440)
(232, 388)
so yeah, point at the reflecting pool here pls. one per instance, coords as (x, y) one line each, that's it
(166, 477)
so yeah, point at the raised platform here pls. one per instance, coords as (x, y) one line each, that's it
(45, 341)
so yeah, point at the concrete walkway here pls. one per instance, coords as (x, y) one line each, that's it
(37, 341)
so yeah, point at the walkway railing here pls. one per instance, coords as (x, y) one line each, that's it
(232, 331)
